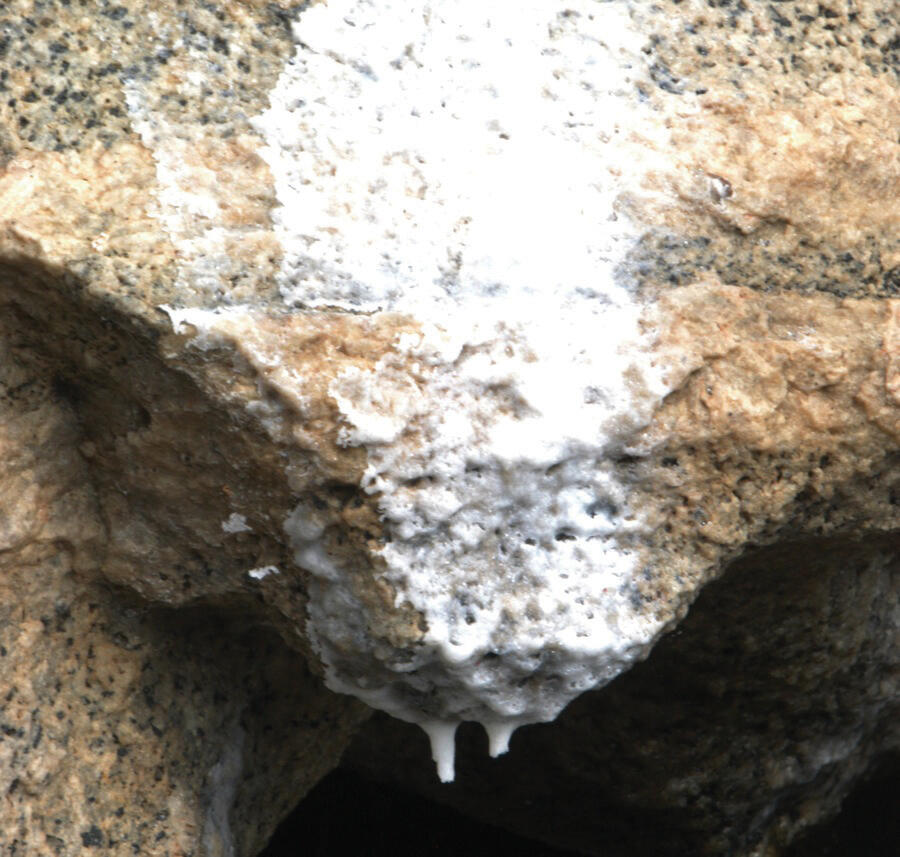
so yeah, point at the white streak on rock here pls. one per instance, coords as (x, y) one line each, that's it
(222, 785)
(236, 523)
(461, 163)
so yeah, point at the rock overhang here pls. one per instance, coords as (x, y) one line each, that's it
(473, 362)
(132, 178)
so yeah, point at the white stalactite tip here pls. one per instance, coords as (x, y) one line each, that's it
(442, 734)
(499, 732)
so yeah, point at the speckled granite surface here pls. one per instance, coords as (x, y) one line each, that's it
(785, 91)
(135, 181)
(201, 70)
(126, 728)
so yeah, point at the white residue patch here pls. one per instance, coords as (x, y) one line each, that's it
(461, 162)
(236, 523)
(262, 572)
(205, 327)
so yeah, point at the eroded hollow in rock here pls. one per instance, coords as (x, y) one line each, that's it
(390, 820)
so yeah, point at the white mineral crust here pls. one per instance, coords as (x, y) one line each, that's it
(460, 162)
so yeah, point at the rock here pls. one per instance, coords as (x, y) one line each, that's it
(124, 725)
(453, 353)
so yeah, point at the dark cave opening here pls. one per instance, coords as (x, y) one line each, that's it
(348, 814)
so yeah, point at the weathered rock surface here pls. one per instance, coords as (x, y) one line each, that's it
(453, 353)
(129, 727)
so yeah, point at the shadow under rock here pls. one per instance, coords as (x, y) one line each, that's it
(869, 821)
(347, 814)
(714, 745)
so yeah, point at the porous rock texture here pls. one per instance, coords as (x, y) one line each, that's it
(448, 355)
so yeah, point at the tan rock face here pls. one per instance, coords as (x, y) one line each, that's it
(292, 387)
(127, 725)
(784, 400)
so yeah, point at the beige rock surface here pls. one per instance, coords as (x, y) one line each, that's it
(166, 410)
(129, 727)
